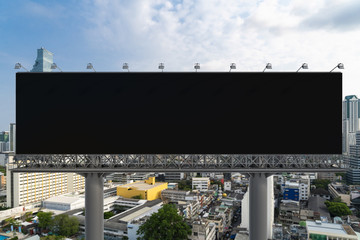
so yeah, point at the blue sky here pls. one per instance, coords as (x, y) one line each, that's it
(179, 33)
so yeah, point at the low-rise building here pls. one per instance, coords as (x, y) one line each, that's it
(176, 195)
(64, 203)
(148, 189)
(203, 231)
(297, 189)
(331, 176)
(227, 186)
(174, 176)
(201, 184)
(339, 190)
(289, 213)
(331, 231)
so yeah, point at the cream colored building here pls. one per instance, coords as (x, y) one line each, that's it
(27, 188)
(201, 184)
(337, 190)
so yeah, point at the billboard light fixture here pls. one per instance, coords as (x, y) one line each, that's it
(196, 66)
(339, 66)
(303, 66)
(54, 66)
(90, 66)
(268, 66)
(232, 66)
(18, 66)
(125, 66)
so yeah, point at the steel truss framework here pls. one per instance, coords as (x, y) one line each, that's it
(178, 163)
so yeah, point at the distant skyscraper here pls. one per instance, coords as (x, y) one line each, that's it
(351, 121)
(4, 141)
(43, 61)
(4, 136)
(12, 137)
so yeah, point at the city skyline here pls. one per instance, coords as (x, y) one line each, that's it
(179, 34)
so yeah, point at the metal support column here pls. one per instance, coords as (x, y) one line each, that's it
(258, 206)
(94, 206)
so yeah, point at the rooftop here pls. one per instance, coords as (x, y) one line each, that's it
(141, 185)
(135, 212)
(64, 199)
(329, 228)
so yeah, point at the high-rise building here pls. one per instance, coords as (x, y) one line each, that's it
(30, 188)
(12, 137)
(353, 173)
(4, 141)
(4, 136)
(43, 61)
(351, 121)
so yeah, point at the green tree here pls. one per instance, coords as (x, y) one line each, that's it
(184, 185)
(65, 225)
(27, 216)
(45, 219)
(322, 183)
(338, 208)
(108, 215)
(52, 237)
(166, 224)
(3, 170)
(11, 221)
(340, 174)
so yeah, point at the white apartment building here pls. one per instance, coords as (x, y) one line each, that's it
(27, 188)
(227, 186)
(304, 189)
(201, 184)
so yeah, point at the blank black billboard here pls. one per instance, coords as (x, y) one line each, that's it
(179, 113)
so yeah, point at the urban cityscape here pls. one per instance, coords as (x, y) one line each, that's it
(316, 198)
(321, 205)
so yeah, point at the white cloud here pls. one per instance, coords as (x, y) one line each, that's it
(35, 9)
(216, 33)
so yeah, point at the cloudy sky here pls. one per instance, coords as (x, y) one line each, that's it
(179, 33)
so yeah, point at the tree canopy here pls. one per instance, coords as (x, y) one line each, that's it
(322, 183)
(108, 215)
(166, 224)
(337, 208)
(52, 237)
(45, 219)
(65, 225)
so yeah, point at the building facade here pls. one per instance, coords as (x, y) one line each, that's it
(43, 61)
(351, 121)
(29, 188)
(353, 158)
(201, 184)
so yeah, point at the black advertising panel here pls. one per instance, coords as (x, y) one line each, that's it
(179, 113)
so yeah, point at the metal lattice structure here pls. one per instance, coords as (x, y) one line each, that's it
(178, 163)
